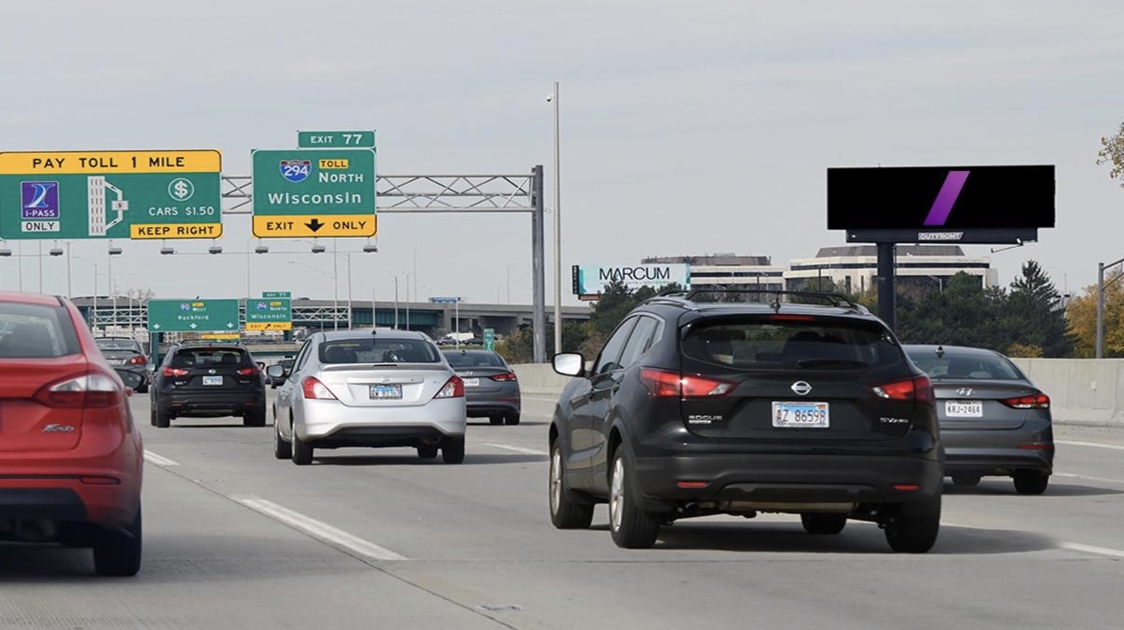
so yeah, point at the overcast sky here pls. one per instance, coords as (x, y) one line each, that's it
(687, 127)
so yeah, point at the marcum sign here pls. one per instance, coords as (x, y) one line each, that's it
(591, 281)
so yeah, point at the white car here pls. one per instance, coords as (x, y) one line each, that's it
(373, 388)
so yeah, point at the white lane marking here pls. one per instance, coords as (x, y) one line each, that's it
(1100, 551)
(320, 530)
(1115, 447)
(1101, 479)
(159, 460)
(518, 449)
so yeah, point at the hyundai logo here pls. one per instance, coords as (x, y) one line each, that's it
(802, 388)
(211, 371)
(964, 391)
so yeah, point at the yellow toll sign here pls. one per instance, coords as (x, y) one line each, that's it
(261, 326)
(108, 162)
(172, 230)
(307, 226)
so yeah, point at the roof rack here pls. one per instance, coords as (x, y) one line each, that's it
(689, 298)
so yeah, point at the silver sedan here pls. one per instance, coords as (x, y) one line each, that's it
(373, 388)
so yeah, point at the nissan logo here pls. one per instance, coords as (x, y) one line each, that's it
(802, 388)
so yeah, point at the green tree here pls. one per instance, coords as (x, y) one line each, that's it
(1112, 153)
(1033, 317)
(1081, 314)
(964, 314)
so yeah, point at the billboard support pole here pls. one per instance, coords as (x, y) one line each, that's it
(886, 284)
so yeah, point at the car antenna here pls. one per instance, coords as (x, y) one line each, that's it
(940, 351)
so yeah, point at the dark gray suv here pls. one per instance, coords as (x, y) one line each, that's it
(694, 408)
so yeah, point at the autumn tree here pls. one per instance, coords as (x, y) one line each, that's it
(1082, 317)
(1112, 153)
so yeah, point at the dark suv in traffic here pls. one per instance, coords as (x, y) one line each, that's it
(204, 380)
(803, 404)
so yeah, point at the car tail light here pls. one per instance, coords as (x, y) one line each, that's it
(250, 371)
(172, 372)
(1033, 401)
(454, 388)
(81, 392)
(315, 390)
(138, 360)
(666, 384)
(792, 318)
(918, 388)
(510, 376)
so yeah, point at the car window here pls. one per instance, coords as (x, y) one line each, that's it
(609, 359)
(764, 342)
(36, 331)
(639, 341)
(211, 357)
(378, 350)
(302, 356)
(965, 366)
(119, 344)
(474, 359)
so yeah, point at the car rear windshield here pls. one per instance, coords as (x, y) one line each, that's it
(474, 359)
(378, 351)
(967, 366)
(35, 331)
(211, 357)
(772, 342)
(118, 344)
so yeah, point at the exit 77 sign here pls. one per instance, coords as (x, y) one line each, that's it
(110, 194)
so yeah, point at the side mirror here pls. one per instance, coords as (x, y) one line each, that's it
(276, 370)
(569, 364)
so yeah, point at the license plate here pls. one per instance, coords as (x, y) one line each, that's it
(386, 392)
(472, 382)
(963, 408)
(212, 380)
(787, 415)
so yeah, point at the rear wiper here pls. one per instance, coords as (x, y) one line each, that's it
(828, 362)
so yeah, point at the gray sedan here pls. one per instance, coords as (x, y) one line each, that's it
(490, 385)
(371, 388)
(993, 420)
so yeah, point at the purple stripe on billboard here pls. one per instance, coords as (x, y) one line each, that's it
(946, 198)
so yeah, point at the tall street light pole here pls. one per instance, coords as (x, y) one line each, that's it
(557, 225)
(1100, 303)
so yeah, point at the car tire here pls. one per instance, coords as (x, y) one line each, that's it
(825, 524)
(302, 452)
(915, 529)
(117, 552)
(152, 415)
(631, 527)
(966, 480)
(427, 451)
(162, 420)
(1031, 481)
(281, 448)
(567, 510)
(511, 419)
(495, 420)
(452, 450)
(255, 418)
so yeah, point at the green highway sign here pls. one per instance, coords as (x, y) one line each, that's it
(306, 193)
(192, 315)
(336, 139)
(110, 194)
(269, 313)
(277, 294)
(489, 339)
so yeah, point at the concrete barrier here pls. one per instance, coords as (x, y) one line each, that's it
(1081, 391)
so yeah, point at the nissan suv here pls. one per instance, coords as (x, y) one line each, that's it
(803, 404)
(204, 380)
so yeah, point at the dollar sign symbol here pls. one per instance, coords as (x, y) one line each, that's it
(181, 189)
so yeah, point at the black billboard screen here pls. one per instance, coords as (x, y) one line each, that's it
(947, 197)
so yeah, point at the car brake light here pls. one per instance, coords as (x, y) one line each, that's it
(509, 376)
(1033, 401)
(918, 388)
(80, 392)
(172, 372)
(453, 388)
(250, 371)
(665, 384)
(315, 390)
(792, 318)
(138, 360)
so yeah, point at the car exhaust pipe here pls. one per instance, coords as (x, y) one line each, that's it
(36, 529)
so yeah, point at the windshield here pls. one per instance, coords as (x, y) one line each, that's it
(965, 366)
(36, 331)
(474, 359)
(118, 344)
(373, 350)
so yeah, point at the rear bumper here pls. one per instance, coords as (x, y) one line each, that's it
(68, 499)
(998, 452)
(327, 424)
(492, 406)
(785, 482)
(210, 404)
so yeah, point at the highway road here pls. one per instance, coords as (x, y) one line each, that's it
(379, 539)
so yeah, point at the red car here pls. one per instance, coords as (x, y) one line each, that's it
(71, 458)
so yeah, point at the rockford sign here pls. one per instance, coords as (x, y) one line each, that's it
(590, 281)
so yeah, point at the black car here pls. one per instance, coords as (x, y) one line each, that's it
(128, 358)
(697, 407)
(208, 380)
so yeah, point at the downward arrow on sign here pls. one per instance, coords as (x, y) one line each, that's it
(314, 225)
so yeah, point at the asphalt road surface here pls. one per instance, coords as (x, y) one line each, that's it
(379, 539)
